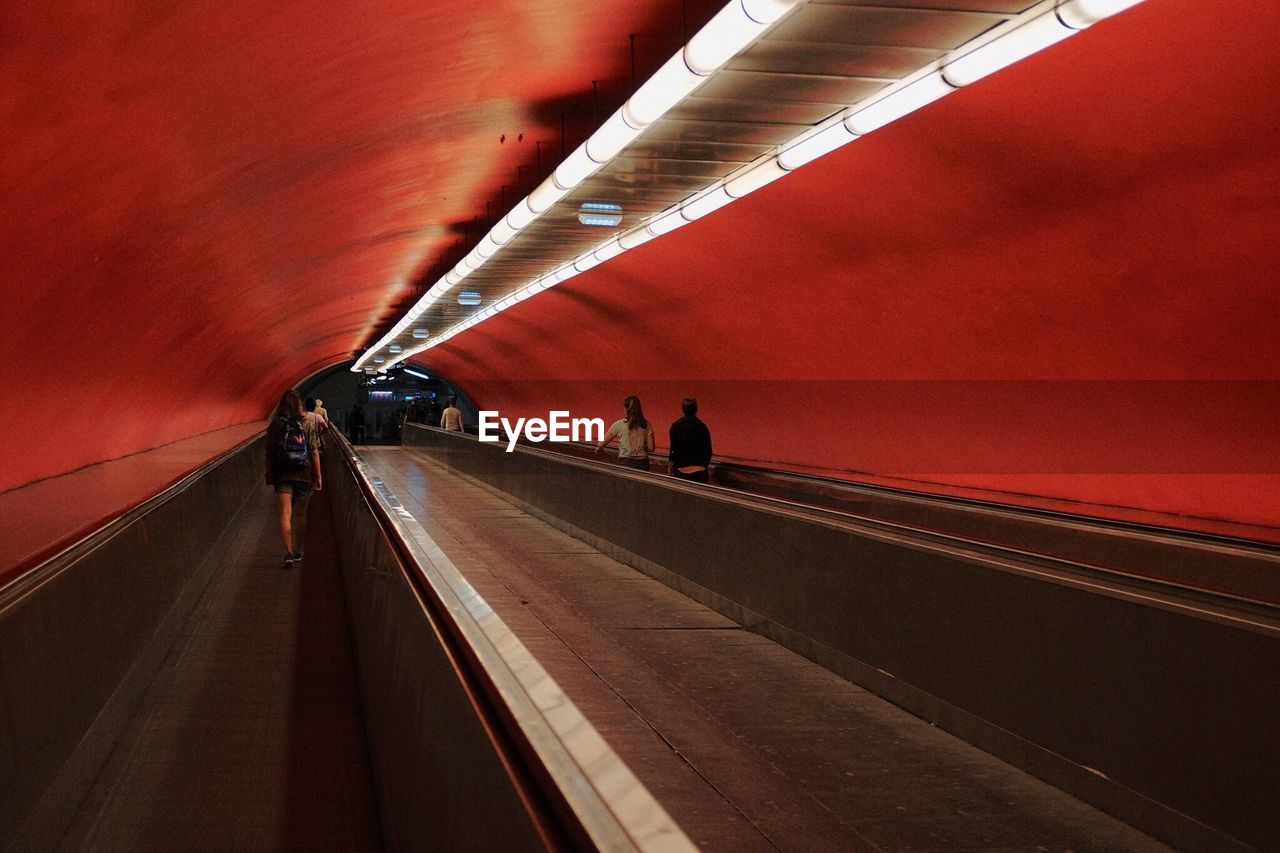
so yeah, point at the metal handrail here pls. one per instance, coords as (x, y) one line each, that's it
(853, 487)
(1255, 614)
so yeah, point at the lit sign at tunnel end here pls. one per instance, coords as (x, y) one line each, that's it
(558, 427)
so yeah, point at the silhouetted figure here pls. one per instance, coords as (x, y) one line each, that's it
(357, 424)
(690, 457)
(293, 470)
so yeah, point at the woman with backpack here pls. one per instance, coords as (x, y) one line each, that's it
(293, 468)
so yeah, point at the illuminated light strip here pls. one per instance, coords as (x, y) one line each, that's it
(1043, 25)
(732, 29)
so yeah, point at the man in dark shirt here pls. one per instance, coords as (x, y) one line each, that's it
(690, 445)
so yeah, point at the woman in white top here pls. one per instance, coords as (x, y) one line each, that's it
(634, 435)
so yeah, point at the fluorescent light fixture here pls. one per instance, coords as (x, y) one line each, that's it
(610, 250)
(469, 298)
(666, 223)
(733, 28)
(377, 359)
(754, 177)
(558, 275)
(521, 215)
(894, 106)
(611, 137)
(767, 11)
(724, 35)
(502, 232)
(575, 169)
(413, 372)
(1083, 13)
(420, 333)
(547, 194)
(669, 85)
(812, 147)
(705, 203)
(600, 213)
(635, 237)
(394, 348)
(1016, 44)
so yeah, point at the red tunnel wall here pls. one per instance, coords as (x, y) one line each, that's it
(1106, 210)
(1036, 289)
(206, 204)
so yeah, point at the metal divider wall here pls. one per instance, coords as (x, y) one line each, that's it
(83, 634)
(473, 746)
(1154, 704)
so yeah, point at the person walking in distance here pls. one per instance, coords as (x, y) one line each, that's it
(634, 436)
(452, 417)
(357, 424)
(315, 420)
(293, 470)
(690, 457)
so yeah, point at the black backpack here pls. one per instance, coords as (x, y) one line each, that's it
(294, 448)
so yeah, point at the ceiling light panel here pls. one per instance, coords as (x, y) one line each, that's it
(826, 73)
(939, 28)
(786, 87)
(744, 110)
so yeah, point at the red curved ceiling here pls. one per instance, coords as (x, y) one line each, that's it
(206, 206)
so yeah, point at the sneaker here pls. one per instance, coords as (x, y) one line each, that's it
(287, 562)
(297, 556)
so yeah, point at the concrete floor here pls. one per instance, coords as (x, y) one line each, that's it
(747, 745)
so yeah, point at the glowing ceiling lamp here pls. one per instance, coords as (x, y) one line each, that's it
(1018, 42)
(732, 29)
(705, 203)
(812, 147)
(600, 213)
